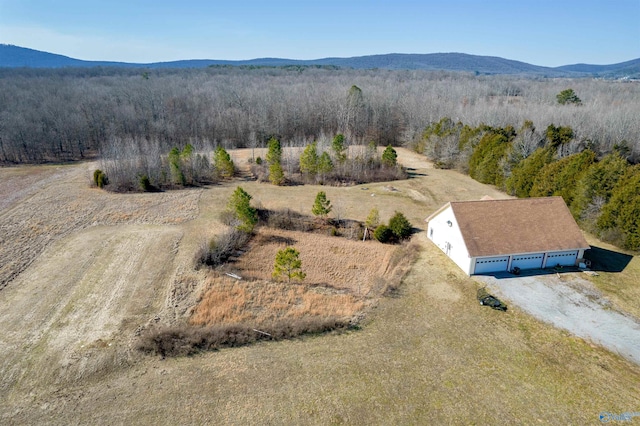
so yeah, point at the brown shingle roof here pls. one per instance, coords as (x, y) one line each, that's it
(522, 225)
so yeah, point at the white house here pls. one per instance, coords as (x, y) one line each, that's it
(498, 235)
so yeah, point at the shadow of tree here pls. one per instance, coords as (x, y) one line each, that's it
(607, 260)
(277, 239)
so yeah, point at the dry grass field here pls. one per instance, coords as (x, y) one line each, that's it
(343, 277)
(83, 271)
(328, 261)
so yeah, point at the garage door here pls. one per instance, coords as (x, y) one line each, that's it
(491, 264)
(528, 261)
(564, 258)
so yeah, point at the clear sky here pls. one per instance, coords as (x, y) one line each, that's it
(540, 32)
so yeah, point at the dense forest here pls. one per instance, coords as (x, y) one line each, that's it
(532, 137)
(601, 190)
(70, 114)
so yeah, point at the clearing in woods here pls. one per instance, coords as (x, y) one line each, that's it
(82, 270)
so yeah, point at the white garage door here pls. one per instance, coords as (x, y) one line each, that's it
(564, 258)
(527, 261)
(491, 264)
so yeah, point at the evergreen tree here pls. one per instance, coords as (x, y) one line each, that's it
(568, 96)
(100, 178)
(223, 163)
(144, 183)
(325, 165)
(525, 173)
(400, 226)
(339, 148)
(382, 233)
(309, 160)
(557, 136)
(389, 156)
(596, 185)
(560, 177)
(276, 174)
(186, 164)
(372, 150)
(274, 159)
(175, 167)
(274, 153)
(288, 264)
(484, 164)
(321, 206)
(240, 205)
(622, 212)
(373, 219)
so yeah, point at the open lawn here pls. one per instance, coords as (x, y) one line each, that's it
(80, 289)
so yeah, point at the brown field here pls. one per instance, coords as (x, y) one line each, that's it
(327, 261)
(343, 277)
(262, 302)
(82, 271)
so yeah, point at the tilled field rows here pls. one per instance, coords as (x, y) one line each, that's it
(42, 207)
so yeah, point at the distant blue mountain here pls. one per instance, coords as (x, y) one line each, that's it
(629, 68)
(17, 57)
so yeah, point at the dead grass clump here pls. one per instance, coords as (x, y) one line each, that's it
(286, 219)
(221, 248)
(289, 220)
(400, 262)
(186, 340)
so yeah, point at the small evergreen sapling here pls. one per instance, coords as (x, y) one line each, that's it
(100, 178)
(389, 157)
(400, 226)
(246, 216)
(289, 265)
(321, 206)
(223, 163)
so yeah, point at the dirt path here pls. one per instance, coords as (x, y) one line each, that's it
(574, 304)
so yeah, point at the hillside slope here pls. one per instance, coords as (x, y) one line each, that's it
(16, 57)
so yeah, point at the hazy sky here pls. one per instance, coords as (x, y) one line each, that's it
(541, 32)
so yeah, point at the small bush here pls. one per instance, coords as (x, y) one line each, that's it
(383, 234)
(144, 183)
(220, 249)
(400, 226)
(286, 219)
(389, 157)
(258, 161)
(373, 219)
(100, 178)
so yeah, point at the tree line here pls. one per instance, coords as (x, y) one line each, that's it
(602, 189)
(65, 115)
(130, 165)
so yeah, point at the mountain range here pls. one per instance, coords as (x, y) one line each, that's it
(21, 57)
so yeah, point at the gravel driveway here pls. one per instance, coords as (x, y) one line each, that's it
(570, 302)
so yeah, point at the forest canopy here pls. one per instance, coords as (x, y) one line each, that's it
(73, 114)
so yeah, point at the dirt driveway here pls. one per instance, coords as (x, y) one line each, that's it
(572, 303)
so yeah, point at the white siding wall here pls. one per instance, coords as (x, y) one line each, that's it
(449, 239)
